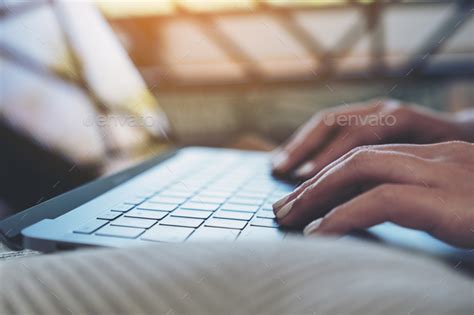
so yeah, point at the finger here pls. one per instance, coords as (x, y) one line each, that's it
(304, 142)
(347, 139)
(315, 134)
(421, 150)
(344, 181)
(312, 167)
(278, 204)
(424, 151)
(409, 206)
(363, 133)
(406, 205)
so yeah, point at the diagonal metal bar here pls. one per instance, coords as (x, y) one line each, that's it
(308, 41)
(228, 46)
(464, 11)
(377, 32)
(232, 50)
(343, 46)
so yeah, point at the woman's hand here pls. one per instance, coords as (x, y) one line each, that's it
(425, 187)
(332, 133)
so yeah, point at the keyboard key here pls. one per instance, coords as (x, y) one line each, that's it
(200, 206)
(91, 226)
(205, 199)
(258, 233)
(171, 234)
(241, 208)
(257, 189)
(246, 201)
(283, 189)
(175, 193)
(276, 196)
(215, 193)
(234, 215)
(147, 193)
(134, 222)
(191, 214)
(268, 206)
(213, 234)
(157, 206)
(109, 215)
(186, 222)
(191, 184)
(147, 214)
(251, 195)
(171, 200)
(120, 231)
(224, 223)
(264, 222)
(123, 207)
(221, 188)
(187, 187)
(265, 214)
(135, 200)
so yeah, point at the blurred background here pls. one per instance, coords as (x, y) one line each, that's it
(88, 88)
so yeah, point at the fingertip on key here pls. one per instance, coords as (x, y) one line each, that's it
(279, 161)
(285, 210)
(313, 227)
(304, 170)
(280, 203)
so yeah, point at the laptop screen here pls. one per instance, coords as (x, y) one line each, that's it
(73, 105)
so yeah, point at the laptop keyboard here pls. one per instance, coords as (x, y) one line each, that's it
(224, 199)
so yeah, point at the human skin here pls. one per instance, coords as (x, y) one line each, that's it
(355, 182)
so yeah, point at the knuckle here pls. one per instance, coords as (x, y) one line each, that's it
(360, 157)
(360, 150)
(396, 109)
(354, 151)
(383, 103)
(379, 102)
(320, 117)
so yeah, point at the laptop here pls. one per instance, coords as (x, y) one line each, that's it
(192, 194)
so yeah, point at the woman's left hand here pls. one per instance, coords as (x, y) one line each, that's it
(425, 187)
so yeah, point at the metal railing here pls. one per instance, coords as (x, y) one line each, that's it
(147, 54)
(416, 66)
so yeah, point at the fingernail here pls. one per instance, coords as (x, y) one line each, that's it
(312, 227)
(283, 212)
(305, 169)
(281, 202)
(280, 159)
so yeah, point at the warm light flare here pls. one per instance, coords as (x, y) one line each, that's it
(122, 8)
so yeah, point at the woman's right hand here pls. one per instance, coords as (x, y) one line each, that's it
(334, 132)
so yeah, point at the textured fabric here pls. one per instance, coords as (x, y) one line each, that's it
(316, 276)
